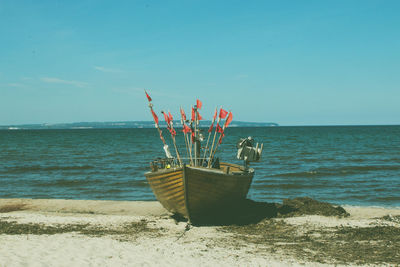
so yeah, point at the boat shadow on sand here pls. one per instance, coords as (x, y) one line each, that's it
(251, 212)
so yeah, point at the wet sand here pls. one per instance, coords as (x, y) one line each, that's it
(125, 233)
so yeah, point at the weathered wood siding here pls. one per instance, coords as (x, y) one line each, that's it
(168, 189)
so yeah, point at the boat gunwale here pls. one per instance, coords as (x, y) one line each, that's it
(241, 171)
(163, 171)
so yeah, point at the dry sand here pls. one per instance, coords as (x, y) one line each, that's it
(133, 233)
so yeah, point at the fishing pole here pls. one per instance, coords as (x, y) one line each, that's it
(166, 149)
(222, 115)
(209, 134)
(168, 119)
(227, 122)
(185, 130)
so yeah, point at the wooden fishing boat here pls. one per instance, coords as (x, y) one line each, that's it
(202, 188)
(200, 194)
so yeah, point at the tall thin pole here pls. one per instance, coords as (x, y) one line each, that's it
(228, 120)
(209, 134)
(172, 131)
(188, 150)
(206, 148)
(195, 136)
(166, 149)
(176, 149)
(212, 154)
(215, 134)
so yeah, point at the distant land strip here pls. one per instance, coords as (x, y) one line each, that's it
(123, 124)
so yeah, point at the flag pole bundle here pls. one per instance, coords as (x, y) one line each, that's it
(209, 133)
(197, 117)
(227, 122)
(195, 136)
(222, 115)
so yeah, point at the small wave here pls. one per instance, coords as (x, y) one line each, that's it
(303, 174)
(389, 198)
(65, 182)
(113, 191)
(37, 168)
(288, 186)
(131, 184)
(338, 171)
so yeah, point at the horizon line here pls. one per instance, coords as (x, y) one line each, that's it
(178, 121)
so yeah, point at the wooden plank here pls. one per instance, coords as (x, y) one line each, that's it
(161, 177)
(165, 185)
(166, 194)
(220, 188)
(169, 189)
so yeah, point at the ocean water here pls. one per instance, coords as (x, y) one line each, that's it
(354, 165)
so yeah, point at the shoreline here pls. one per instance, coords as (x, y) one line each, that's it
(61, 232)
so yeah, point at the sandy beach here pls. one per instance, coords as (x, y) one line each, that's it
(125, 233)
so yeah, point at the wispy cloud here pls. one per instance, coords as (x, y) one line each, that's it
(60, 81)
(109, 70)
(16, 85)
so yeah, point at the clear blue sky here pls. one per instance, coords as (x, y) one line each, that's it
(290, 62)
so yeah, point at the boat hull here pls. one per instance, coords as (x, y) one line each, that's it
(200, 194)
(168, 187)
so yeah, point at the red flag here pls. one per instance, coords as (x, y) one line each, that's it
(222, 113)
(173, 132)
(220, 138)
(186, 129)
(229, 119)
(211, 127)
(147, 95)
(193, 114)
(183, 114)
(212, 124)
(219, 129)
(199, 117)
(166, 118)
(170, 116)
(199, 104)
(154, 116)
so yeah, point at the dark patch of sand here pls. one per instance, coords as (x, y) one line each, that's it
(250, 212)
(12, 207)
(378, 244)
(308, 206)
(126, 232)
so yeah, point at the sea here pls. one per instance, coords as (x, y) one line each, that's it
(345, 165)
